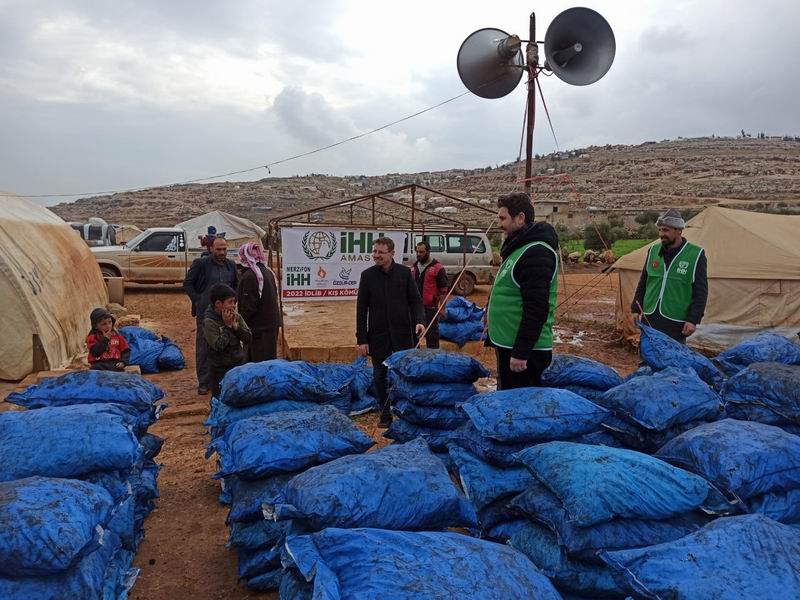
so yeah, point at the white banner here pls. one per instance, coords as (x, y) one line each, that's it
(326, 264)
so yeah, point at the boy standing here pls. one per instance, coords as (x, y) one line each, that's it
(108, 350)
(226, 335)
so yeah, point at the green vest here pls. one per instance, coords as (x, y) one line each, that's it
(670, 292)
(505, 304)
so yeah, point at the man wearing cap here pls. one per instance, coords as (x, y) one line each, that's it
(673, 289)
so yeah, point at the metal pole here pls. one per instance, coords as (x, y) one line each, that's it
(413, 202)
(532, 52)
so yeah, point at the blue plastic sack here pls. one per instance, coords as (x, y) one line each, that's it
(286, 442)
(361, 388)
(461, 333)
(742, 458)
(638, 438)
(431, 394)
(530, 415)
(498, 512)
(252, 535)
(257, 562)
(567, 370)
(587, 392)
(779, 506)
(623, 483)
(660, 351)
(735, 557)
(502, 532)
(145, 347)
(79, 439)
(402, 431)
(440, 417)
(484, 483)
(541, 546)
(255, 383)
(459, 310)
(86, 580)
(171, 357)
(402, 487)
(364, 564)
(773, 385)
(764, 347)
(487, 449)
(294, 587)
(539, 504)
(435, 366)
(665, 399)
(223, 416)
(48, 523)
(247, 496)
(640, 372)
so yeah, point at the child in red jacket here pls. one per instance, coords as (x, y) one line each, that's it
(108, 350)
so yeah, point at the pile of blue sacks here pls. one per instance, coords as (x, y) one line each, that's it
(461, 321)
(151, 352)
(79, 482)
(659, 351)
(583, 376)
(767, 393)
(427, 389)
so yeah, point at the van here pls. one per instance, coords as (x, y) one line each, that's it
(450, 248)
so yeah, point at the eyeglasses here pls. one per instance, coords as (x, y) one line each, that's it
(381, 252)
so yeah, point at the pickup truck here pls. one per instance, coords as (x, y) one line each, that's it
(157, 255)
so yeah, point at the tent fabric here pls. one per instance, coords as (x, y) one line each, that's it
(49, 283)
(237, 229)
(753, 273)
(125, 233)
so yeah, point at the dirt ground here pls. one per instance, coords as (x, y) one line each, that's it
(183, 554)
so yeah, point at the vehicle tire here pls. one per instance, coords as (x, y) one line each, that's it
(109, 271)
(465, 286)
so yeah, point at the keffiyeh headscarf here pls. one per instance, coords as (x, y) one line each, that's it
(250, 254)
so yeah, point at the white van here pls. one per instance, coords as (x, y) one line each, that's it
(449, 248)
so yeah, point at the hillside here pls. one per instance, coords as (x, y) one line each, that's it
(755, 173)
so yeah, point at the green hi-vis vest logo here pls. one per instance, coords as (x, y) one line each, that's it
(683, 267)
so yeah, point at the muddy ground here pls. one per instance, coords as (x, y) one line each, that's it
(183, 554)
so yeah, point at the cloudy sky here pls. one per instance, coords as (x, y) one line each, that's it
(126, 94)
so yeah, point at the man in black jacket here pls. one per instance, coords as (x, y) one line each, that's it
(257, 296)
(204, 273)
(523, 301)
(388, 314)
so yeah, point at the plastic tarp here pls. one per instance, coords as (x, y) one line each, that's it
(431, 394)
(744, 459)
(660, 351)
(223, 416)
(624, 483)
(735, 557)
(634, 437)
(403, 431)
(436, 366)
(402, 487)
(361, 388)
(566, 370)
(764, 347)
(530, 415)
(151, 352)
(286, 442)
(484, 483)
(362, 564)
(461, 321)
(441, 417)
(775, 386)
(248, 496)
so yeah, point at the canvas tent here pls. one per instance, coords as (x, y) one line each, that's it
(125, 233)
(753, 276)
(237, 230)
(49, 284)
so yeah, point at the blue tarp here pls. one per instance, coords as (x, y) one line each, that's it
(742, 458)
(67, 441)
(431, 394)
(484, 483)
(773, 385)
(252, 535)
(533, 415)
(247, 496)
(47, 524)
(364, 564)
(403, 487)
(644, 440)
(223, 416)
(255, 383)
(440, 417)
(436, 366)
(361, 388)
(286, 442)
(579, 371)
(764, 347)
(461, 333)
(660, 351)
(401, 431)
(623, 483)
(151, 352)
(459, 310)
(663, 400)
(735, 557)
(780, 506)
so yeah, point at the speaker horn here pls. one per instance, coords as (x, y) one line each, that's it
(579, 46)
(490, 62)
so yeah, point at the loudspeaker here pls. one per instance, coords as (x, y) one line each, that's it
(579, 46)
(490, 62)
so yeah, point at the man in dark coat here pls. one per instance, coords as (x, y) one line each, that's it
(257, 297)
(204, 273)
(388, 315)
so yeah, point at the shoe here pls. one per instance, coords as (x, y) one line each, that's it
(202, 390)
(385, 420)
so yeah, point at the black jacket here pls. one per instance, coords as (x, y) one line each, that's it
(225, 347)
(264, 313)
(387, 309)
(204, 273)
(533, 272)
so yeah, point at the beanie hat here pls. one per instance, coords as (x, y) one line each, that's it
(671, 218)
(98, 314)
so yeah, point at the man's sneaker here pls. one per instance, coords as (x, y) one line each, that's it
(202, 390)
(385, 420)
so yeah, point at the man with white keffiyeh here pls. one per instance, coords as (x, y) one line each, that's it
(257, 295)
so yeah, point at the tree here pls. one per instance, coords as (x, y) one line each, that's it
(595, 234)
(646, 217)
(648, 231)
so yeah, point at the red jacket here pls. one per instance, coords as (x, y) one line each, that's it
(102, 348)
(433, 284)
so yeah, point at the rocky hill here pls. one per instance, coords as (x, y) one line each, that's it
(747, 172)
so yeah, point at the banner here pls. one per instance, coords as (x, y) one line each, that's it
(326, 264)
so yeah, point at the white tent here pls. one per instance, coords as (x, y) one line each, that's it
(237, 229)
(50, 283)
(753, 276)
(125, 233)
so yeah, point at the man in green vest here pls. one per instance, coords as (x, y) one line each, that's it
(523, 301)
(673, 289)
